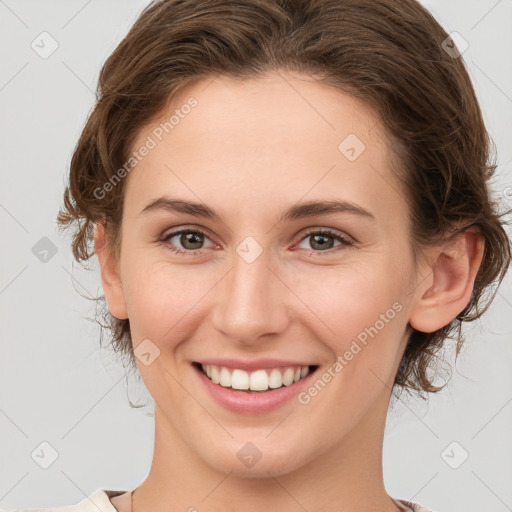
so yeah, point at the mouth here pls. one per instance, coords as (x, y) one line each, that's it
(263, 380)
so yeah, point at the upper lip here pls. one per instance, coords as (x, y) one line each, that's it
(253, 364)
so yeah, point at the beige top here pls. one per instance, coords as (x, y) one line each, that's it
(99, 501)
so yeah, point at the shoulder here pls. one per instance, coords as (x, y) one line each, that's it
(410, 506)
(98, 501)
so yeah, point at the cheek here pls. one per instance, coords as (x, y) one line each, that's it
(338, 304)
(359, 312)
(350, 299)
(362, 320)
(161, 297)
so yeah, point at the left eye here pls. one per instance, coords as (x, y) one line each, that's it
(192, 240)
(320, 240)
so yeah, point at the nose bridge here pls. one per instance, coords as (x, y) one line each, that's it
(251, 304)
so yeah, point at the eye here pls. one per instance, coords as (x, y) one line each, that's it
(322, 240)
(191, 239)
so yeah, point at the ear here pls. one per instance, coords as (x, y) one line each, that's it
(448, 288)
(110, 275)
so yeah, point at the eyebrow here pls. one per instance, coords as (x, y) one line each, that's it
(297, 211)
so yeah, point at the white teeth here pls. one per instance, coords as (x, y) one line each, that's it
(288, 376)
(225, 377)
(240, 379)
(215, 375)
(275, 379)
(259, 380)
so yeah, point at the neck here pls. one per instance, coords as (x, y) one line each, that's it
(346, 478)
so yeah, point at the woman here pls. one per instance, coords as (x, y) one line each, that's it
(288, 203)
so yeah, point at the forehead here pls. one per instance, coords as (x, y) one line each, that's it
(256, 112)
(277, 137)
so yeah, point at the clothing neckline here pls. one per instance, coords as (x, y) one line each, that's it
(102, 497)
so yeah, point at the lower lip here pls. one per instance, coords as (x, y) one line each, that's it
(252, 403)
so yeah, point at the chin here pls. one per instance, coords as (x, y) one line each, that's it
(249, 462)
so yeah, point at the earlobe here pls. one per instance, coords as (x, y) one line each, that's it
(449, 287)
(110, 275)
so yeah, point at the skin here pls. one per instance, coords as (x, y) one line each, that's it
(249, 150)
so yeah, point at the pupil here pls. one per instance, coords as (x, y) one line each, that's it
(321, 245)
(189, 238)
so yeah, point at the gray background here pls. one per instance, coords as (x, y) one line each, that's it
(57, 385)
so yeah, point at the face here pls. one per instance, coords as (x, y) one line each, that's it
(264, 280)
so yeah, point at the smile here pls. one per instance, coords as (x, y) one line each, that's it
(258, 380)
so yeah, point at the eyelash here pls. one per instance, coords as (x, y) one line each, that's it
(346, 242)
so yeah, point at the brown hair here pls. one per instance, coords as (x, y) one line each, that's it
(389, 54)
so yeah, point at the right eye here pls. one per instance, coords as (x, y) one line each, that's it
(190, 239)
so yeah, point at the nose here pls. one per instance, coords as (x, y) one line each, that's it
(252, 301)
